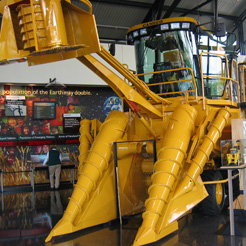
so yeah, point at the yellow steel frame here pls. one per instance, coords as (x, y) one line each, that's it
(150, 117)
(218, 102)
(88, 192)
(173, 81)
(163, 21)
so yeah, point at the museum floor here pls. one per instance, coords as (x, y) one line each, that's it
(26, 218)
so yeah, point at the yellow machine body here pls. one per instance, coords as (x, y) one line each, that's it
(47, 27)
(149, 159)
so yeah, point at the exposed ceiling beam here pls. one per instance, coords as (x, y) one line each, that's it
(124, 2)
(239, 20)
(155, 11)
(111, 26)
(171, 9)
(190, 11)
(148, 6)
(165, 7)
(242, 17)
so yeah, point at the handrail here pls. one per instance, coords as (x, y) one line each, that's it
(232, 69)
(225, 78)
(27, 171)
(139, 85)
(230, 78)
(222, 181)
(173, 81)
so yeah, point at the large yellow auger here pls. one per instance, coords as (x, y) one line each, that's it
(170, 105)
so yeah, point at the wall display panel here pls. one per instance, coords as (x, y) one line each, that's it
(71, 123)
(44, 110)
(15, 106)
(25, 139)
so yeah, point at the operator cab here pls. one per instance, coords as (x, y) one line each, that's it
(169, 62)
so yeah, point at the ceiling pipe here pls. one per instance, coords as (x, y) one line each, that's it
(215, 15)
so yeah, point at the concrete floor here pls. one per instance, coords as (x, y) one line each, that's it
(27, 217)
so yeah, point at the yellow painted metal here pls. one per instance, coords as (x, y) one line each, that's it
(4, 3)
(180, 204)
(242, 70)
(223, 181)
(95, 126)
(52, 30)
(121, 88)
(219, 193)
(44, 31)
(55, 23)
(26, 15)
(163, 21)
(84, 41)
(85, 140)
(173, 81)
(8, 42)
(125, 149)
(166, 176)
(228, 96)
(137, 83)
(204, 151)
(92, 203)
(132, 183)
(148, 127)
(134, 108)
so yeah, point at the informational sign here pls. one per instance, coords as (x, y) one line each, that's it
(8, 141)
(68, 138)
(36, 140)
(44, 110)
(15, 106)
(59, 139)
(71, 123)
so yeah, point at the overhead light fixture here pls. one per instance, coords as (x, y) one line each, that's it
(53, 83)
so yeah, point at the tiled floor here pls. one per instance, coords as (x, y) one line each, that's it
(27, 217)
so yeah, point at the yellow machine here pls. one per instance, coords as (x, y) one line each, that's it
(234, 157)
(151, 158)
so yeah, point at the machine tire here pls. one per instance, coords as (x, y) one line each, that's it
(214, 203)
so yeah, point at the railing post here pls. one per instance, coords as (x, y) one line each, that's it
(32, 178)
(1, 180)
